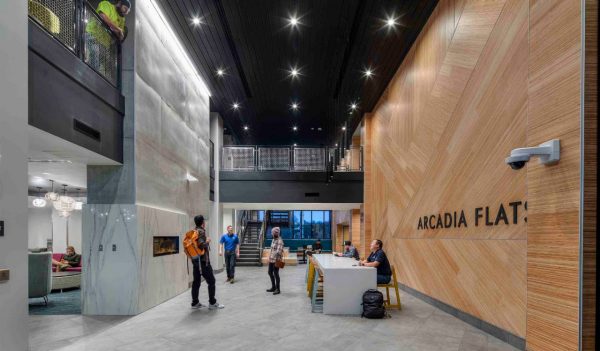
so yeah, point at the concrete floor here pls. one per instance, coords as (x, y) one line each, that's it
(253, 319)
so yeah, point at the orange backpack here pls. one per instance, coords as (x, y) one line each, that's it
(190, 244)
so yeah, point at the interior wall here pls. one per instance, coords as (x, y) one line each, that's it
(13, 174)
(484, 78)
(436, 144)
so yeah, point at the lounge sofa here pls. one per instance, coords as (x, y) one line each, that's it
(40, 280)
(58, 257)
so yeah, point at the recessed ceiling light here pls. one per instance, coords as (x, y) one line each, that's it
(368, 73)
(295, 106)
(235, 106)
(312, 128)
(295, 144)
(294, 72)
(293, 21)
(336, 145)
(245, 127)
(295, 128)
(391, 22)
(319, 129)
(220, 72)
(196, 21)
(353, 106)
(343, 128)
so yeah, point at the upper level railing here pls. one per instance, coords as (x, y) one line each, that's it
(76, 25)
(290, 159)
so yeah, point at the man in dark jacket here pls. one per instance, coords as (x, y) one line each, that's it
(202, 268)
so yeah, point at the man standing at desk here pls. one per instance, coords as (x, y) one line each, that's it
(379, 260)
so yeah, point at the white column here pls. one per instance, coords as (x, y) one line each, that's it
(13, 174)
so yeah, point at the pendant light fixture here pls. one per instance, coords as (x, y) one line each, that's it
(78, 205)
(39, 201)
(52, 196)
(65, 204)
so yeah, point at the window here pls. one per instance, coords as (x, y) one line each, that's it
(307, 225)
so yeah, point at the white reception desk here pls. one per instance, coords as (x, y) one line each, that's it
(344, 283)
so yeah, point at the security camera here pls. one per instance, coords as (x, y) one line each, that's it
(548, 152)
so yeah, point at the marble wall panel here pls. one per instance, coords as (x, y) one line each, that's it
(161, 277)
(110, 278)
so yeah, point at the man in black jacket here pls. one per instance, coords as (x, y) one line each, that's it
(202, 268)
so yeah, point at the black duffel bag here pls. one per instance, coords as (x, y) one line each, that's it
(373, 307)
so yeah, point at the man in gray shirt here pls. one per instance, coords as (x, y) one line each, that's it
(349, 251)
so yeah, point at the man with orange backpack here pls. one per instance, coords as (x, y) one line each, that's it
(197, 246)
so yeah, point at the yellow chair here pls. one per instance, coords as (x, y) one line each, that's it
(44, 16)
(392, 284)
(310, 281)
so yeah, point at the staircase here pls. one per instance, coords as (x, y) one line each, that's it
(250, 246)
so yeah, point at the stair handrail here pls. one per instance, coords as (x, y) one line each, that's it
(261, 236)
(243, 225)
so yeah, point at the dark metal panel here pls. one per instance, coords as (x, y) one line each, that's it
(319, 177)
(264, 191)
(60, 106)
(70, 65)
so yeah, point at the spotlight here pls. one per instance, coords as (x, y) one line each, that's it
(391, 22)
(294, 72)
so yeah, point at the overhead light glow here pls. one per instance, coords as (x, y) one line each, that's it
(295, 128)
(295, 144)
(294, 72)
(368, 73)
(39, 202)
(196, 21)
(220, 72)
(295, 106)
(235, 106)
(293, 21)
(245, 127)
(343, 128)
(391, 22)
(353, 106)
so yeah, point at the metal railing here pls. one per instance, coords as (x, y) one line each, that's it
(290, 159)
(76, 25)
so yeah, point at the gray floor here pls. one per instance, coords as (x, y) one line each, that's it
(254, 319)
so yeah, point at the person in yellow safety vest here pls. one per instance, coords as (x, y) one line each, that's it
(113, 15)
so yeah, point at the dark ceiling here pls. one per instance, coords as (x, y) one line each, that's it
(333, 44)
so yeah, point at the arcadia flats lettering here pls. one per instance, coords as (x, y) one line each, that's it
(488, 216)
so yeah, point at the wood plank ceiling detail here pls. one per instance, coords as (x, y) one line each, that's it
(334, 42)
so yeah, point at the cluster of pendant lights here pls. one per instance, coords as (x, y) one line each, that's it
(62, 203)
(294, 72)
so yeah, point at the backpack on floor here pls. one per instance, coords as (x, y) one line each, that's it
(373, 307)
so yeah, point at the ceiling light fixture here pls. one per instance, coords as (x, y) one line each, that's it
(65, 204)
(368, 73)
(294, 21)
(245, 127)
(39, 201)
(78, 204)
(295, 128)
(391, 22)
(220, 72)
(343, 128)
(52, 196)
(294, 72)
(295, 106)
(353, 106)
(235, 106)
(196, 21)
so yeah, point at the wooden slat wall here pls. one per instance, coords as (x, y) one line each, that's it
(590, 190)
(554, 192)
(483, 78)
(440, 133)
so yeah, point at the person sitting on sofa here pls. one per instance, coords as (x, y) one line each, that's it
(70, 259)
